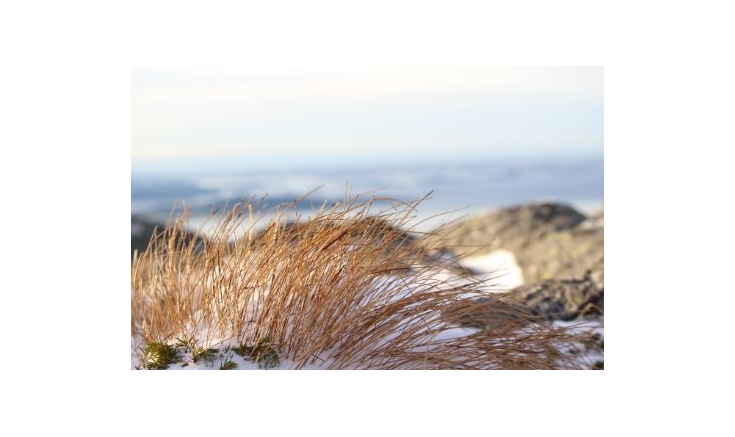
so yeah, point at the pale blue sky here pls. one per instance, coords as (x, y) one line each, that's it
(291, 117)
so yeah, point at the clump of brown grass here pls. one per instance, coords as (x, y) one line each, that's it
(344, 290)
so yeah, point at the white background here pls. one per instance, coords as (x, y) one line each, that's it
(65, 169)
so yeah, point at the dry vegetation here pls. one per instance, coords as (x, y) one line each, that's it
(343, 290)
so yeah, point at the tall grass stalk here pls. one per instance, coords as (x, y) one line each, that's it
(344, 289)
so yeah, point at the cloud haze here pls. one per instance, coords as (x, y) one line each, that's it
(373, 114)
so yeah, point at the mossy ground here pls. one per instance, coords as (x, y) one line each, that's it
(187, 352)
(263, 354)
(158, 356)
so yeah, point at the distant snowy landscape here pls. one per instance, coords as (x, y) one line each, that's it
(462, 187)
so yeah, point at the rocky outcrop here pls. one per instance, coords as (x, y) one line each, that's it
(513, 228)
(565, 299)
(560, 253)
(548, 240)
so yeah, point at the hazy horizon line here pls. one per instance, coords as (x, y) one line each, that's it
(234, 163)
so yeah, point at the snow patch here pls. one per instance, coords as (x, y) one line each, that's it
(499, 266)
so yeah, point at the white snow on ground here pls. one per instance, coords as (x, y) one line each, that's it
(242, 363)
(499, 266)
(590, 356)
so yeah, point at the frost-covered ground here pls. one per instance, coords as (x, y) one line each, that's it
(227, 357)
(228, 352)
(223, 356)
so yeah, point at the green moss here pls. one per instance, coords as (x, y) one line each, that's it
(262, 354)
(158, 356)
(228, 364)
(243, 350)
(206, 354)
(187, 344)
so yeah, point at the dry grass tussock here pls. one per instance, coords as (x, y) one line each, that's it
(343, 290)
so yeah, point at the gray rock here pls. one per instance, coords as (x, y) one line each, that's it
(513, 228)
(559, 250)
(552, 300)
(566, 299)
(548, 240)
